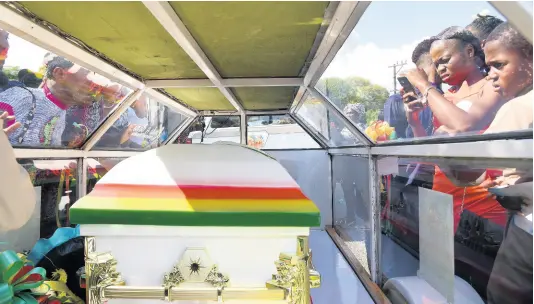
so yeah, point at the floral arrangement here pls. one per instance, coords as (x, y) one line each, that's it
(22, 283)
(381, 131)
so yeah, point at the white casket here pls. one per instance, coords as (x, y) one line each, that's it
(197, 224)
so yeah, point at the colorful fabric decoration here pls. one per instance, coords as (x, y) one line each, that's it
(381, 131)
(56, 291)
(17, 279)
(43, 246)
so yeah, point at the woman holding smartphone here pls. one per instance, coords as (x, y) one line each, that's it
(472, 105)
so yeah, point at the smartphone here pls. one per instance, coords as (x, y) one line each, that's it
(405, 83)
(408, 87)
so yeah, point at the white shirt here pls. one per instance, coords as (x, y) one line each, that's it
(134, 120)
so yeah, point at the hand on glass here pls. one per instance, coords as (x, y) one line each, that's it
(5, 116)
(127, 133)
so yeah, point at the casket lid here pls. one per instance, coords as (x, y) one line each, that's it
(197, 185)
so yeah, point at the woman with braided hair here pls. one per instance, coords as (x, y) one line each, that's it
(482, 26)
(471, 106)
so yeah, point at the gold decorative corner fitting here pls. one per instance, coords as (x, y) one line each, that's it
(296, 274)
(101, 272)
(173, 278)
(315, 276)
(216, 278)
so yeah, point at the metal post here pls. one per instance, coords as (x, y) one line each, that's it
(395, 72)
(176, 133)
(108, 122)
(81, 186)
(243, 128)
(376, 233)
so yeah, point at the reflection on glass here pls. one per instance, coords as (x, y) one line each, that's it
(277, 132)
(144, 125)
(55, 182)
(326, 122)
(97, 168)
(461, 86)
(54, 101)
(352, 210)
(491, 204)
(211, 129)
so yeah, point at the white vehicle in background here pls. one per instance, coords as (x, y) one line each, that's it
(264, 132)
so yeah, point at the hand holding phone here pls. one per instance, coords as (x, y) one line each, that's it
(405, 83)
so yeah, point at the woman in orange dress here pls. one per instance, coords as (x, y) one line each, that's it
(470, 107)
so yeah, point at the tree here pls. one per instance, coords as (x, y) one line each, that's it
(12, 72)
(343, 91)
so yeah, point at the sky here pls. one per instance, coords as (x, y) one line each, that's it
(389, 31)
(24, 54)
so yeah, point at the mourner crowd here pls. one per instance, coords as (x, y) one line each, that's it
(63, 103)
(468, 80)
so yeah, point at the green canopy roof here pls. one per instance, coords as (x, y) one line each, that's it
(240, 39)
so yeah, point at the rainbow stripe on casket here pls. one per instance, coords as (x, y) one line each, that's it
(195, 205)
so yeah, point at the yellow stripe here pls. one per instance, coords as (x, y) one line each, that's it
(184, 205)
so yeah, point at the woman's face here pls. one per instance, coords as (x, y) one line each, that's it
(510, 72)
(453, 60)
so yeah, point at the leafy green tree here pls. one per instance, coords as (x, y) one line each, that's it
(343, 91)
(11, 72)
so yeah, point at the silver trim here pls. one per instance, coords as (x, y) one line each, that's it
(343, 22)
(168, 18)
(508, 148)
(110, 120)
(362, 138)
(22, 153)
(374, 199)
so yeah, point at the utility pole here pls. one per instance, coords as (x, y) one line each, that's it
(395, 72)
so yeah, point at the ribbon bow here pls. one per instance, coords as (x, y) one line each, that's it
(17, 278)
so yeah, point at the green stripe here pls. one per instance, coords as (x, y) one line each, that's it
(166, 218)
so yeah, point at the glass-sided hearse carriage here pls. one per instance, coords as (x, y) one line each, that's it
(249, 152)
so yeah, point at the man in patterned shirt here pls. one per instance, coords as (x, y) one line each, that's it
(41, 112)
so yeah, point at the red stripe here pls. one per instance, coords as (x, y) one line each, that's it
(196, 192)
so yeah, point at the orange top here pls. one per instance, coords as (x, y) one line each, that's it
(477, 200)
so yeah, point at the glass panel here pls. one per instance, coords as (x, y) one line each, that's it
(146, 124)
(277, 132)
(458, 91)
(211, 129)
(352, 211)
(490, 219)
(54, 183)
(97, 168)
(55, 102)
(326, 122)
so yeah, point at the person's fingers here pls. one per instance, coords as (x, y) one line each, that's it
(12, 128)
(409, 97)
(413, 104)
(5, 116)
(410, 94)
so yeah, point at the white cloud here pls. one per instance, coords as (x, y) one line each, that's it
(484, 12)
(371, 62)
(24, 54)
